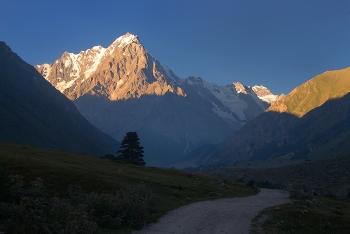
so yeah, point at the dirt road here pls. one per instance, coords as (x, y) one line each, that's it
(231, 215)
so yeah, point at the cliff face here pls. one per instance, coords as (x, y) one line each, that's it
(123, 70)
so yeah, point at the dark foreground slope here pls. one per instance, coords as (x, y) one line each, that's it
(100, 181)
(34, 112)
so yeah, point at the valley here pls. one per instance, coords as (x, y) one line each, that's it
(58, 119)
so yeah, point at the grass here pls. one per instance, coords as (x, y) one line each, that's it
(328, 85)
(61, 169)
(306, 214)
(330, 175)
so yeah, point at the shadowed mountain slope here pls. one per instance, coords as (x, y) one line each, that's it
(313, 121)
(34, 112)
(323, 132)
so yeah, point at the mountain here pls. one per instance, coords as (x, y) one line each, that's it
(33, 112)
(313, 121)
(124, 88)
(315, 92)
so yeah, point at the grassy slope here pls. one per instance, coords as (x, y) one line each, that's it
(60, 169)
(306, 214)
(315, 92)
(325, 176)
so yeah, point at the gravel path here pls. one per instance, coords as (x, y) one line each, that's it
(232, 215)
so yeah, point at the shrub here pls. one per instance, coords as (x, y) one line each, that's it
(251, 183)
(33, 211)
(296, 195)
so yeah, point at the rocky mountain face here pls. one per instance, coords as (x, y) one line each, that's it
(33, 112)
(311, 122)
(123, 70)
(124, 88)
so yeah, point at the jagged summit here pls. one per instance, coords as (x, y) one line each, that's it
(240, 88)
(123, 70)
(125, 39)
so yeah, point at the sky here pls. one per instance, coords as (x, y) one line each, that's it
(276, 43)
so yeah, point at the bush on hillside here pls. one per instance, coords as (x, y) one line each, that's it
(33, 211)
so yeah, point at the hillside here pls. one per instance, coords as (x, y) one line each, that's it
(60, 170)
(33, 112)
(313, 93)
(324, 176)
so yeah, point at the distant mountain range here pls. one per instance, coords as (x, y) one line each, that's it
(311, 122)
(124, 88)
(33, 112)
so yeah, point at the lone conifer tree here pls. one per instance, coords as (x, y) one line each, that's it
(131, 151)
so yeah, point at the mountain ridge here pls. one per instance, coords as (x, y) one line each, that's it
(320, 129)
(314, 92)
(96, 54)
(125, 72)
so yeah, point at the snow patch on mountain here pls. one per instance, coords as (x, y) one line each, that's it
(229, 98)
(227, 95)
(121, 42)
(73, 62)
(170, 74)
(63, 85)
(265, 94)
(98, 52)
(269, 98)
(220, 112)
(124, 40)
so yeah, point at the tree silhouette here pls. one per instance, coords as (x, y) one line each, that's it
(131, 151)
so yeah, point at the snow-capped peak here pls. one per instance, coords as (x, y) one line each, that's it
(239, 87)
(264, 94)
(124, 40)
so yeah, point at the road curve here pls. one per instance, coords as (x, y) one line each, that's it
(230, 215)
